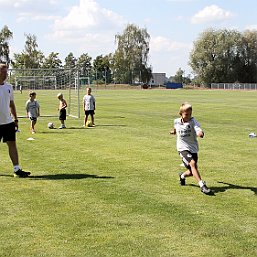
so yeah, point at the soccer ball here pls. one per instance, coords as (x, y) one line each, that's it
(89, 123)
(50, 125)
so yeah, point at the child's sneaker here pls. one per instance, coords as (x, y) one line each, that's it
(21, 174)
(206, 190)
(182, 181)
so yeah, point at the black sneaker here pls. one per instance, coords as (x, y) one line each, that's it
(182, 181)
(206, 190)
(21, 174)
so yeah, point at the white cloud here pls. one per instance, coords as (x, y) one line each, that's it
(166, 54)
(251, 27)
(27, 10)
(22, 5)
(89, 27)
(162, 44)
(210, 14)
(88, 15)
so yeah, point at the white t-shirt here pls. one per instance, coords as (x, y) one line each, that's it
(186, 134)
(89, 102)
(6, 95)
(32, 107)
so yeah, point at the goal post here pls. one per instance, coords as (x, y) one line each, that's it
(48, 83)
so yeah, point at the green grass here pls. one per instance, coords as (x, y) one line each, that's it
(113, 190)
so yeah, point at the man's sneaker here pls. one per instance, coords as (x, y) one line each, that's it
(21, 174)
(182, 181)
(206, 190)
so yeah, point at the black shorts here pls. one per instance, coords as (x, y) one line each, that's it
(33, 118)
(187, 157)
(91, 112)
(7, 132)
(62, 114)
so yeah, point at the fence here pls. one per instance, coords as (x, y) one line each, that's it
(234, 86)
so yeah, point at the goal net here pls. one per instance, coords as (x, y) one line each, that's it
(47, 83)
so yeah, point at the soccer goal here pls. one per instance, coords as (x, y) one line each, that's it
(47, 83)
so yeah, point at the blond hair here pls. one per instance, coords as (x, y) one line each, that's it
(184, 107)
(60, 95)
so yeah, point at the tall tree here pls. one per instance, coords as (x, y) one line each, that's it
(5, 36)
(52, 61)
(247, 61)
(70, 61)
(102, 68)
(131, 55)
(84, 64)
(30, 57)
(225, 56)
(178, 78)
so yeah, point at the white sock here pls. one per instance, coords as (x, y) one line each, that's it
(16, 168)
(201, 183)
(182, 176)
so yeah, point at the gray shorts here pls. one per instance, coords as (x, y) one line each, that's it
(187, 157)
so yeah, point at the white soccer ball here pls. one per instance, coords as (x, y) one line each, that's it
(50, 125)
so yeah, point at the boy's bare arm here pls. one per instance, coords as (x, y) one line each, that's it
(173, 132)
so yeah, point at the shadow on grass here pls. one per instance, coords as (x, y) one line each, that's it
(56, 130)
(64, 176)
(111, 125)
(228, 186)
(231, 186)
(69, 176)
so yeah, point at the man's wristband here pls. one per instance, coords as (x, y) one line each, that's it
(16, 121)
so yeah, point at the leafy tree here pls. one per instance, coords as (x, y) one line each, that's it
(225, 56)
(102, 68)
(5, 36)
(70, 61)
(84, 64)
(131, 56)
(178, 78)
(52, 61)
(30, 57)
(246, 61)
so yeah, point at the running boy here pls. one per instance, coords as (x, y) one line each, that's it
(187, 130)
(62, 110)
(33, 110)
(89, 106)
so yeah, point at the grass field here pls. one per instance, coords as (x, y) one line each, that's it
(113, 190)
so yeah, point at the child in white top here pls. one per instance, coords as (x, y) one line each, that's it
(89, 106)
(187, 130)
(33, 110)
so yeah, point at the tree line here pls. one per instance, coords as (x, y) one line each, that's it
(218, 56)
(128, 64)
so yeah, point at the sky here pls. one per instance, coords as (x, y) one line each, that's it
(90, 26)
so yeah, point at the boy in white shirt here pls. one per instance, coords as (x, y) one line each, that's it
(187, 130)
(89, 106)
